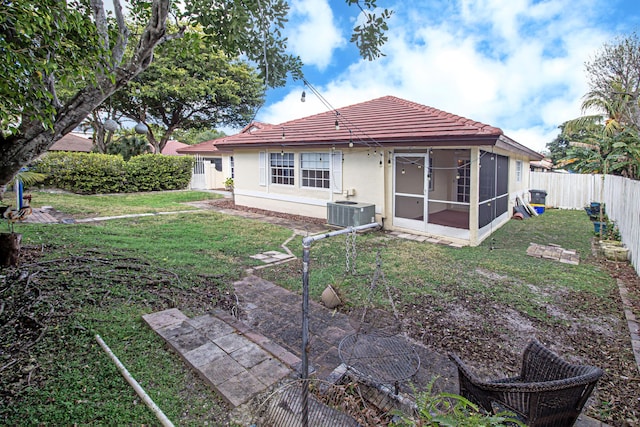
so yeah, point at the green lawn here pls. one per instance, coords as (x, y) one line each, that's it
(102, 277)
(116, 204)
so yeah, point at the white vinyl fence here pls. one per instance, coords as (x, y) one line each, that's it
(620, 195)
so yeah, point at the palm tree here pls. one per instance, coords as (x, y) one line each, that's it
(608, 142)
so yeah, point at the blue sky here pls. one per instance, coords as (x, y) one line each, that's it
(514, 64)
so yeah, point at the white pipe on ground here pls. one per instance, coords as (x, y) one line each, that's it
(166, 422)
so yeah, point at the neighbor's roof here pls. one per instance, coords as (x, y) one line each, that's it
(71, 142)
(543, 164)
(172, 146)
(204, 148)
(210, 147)
(388, 121)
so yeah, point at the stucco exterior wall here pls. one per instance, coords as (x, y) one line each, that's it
(363, 173)
(366, 176)
(361, 180)
(521, 187)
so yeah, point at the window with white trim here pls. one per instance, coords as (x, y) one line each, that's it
(315, 170)
(518, 170)
(282, 167)
(463, 179)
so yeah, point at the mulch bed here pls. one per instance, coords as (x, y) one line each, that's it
(230, 204)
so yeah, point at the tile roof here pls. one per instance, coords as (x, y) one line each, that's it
(210, 147)
(172, 146)
(206, 147)
(385, 120)
(71, 142)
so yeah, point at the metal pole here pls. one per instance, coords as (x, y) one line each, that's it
(306, 247)
(166, 422)
(306, 251)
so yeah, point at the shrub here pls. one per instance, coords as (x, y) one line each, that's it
(129, 146)
(151, 172)
(84, 173)
(92, 173)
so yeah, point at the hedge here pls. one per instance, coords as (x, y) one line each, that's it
(94, 173)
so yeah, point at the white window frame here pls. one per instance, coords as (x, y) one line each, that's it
(519, 166)
(282, 168)
(315, 167)
(463, 171)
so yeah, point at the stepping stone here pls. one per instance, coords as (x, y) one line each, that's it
(234, 362)
(554, 253)
(270, 257)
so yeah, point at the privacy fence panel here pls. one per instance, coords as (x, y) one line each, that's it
(621, 197)
(567, 191)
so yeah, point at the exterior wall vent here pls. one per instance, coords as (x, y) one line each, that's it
(350, 214)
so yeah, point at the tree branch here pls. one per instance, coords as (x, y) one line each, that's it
(123, 34)
(100, 18)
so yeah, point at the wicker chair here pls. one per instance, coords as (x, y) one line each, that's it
(548, 392)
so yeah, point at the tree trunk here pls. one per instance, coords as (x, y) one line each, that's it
(34, 139)
(10, 249)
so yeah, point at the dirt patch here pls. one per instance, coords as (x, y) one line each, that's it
(491, 338)
(39, 301)
(230, 204)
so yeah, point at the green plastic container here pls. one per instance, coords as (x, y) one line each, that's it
(597, 225)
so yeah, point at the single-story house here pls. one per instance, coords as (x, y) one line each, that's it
(407, 166)
(212, 166)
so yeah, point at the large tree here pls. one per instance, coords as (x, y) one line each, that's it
(195, 136)
(50, 41)
(606, 140)
(614, 80)
(190, 85)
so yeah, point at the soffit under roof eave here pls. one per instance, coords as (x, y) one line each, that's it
(204, 153)
(508, 144)
(418, 142)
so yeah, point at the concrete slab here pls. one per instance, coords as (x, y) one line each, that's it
(183, 338)
(232, 342)
(221, 370)
(250, 355)
(211, 327)
(269, 371)
(240, 388)
(165, 318)
(554, 253)
(225, 353)
(204, 355)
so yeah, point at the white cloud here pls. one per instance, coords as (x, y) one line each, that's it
(514, 64)
(313, 34)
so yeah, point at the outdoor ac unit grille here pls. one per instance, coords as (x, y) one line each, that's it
(350, 214)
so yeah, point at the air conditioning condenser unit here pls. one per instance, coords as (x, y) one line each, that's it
(350, 214)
